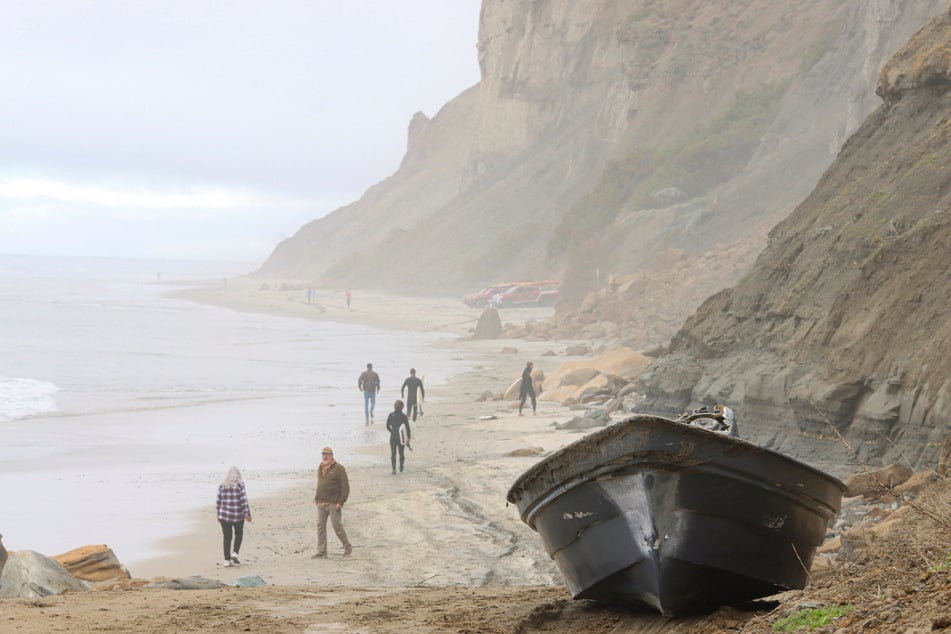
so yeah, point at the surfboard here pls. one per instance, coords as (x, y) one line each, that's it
(419, 405)
(404, 435)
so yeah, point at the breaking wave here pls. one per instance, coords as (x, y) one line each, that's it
(21, 398)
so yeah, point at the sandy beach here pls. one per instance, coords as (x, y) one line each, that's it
(444, 521)
(435, 549)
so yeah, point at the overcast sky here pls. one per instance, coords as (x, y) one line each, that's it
(210, 129)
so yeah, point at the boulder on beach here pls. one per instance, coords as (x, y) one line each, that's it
(622, 362)
(95, 562)
(570, 392)
(872, 484)
(29, 574)
(579, 376)
(578, 350)
(489, 325)
(572, 379)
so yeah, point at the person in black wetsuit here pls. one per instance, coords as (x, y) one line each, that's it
(394, 421)
(526, 389)
(408, 391)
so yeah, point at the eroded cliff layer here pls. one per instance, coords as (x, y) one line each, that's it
(839, 338)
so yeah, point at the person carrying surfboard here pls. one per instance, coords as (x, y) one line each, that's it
(527, 389)
(398, 426)
(410, 386)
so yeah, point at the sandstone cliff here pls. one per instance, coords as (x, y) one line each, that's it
(604, 132)
(842, 325)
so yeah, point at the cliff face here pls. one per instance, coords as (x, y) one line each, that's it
(842, 325)
(604, 132)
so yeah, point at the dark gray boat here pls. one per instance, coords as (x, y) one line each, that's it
(676, 517)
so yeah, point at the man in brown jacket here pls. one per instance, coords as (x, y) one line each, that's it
(333, 489)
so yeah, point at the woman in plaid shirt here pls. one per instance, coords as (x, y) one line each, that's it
(233, 510)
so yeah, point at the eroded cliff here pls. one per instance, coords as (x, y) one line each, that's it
(604, 133)
(842, 325)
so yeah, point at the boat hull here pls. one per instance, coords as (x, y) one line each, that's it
(676, 517)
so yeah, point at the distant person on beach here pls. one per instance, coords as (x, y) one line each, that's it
(527, 389)
(333, 489)
(369, 384)
(408, 391)
(348, 298)
(233, 511)
(394, 424)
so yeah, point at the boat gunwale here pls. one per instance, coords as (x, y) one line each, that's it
(653, 461)
(648, 422)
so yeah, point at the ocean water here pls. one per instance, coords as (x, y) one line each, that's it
(122, 407)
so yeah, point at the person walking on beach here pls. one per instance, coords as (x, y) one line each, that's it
(333, 489)
(394, 424)
(233, 511)
(527, 389)
(348, 299)
(369, 384)
(408, 391)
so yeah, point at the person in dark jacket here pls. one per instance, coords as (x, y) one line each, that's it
(333, 489)
(527, 389)
(233, 511)
(394, 421)
(369, 383)
(408, 391)
(3, 555)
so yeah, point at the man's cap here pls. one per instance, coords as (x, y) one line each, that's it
(327, 450)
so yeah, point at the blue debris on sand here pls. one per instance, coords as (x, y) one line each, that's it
(250, 581)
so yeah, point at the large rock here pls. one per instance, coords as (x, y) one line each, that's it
(29, 574)
(874, 484)
(489, 325)
(567, 393)
(622, 362)
(93, 563)
(579, 376)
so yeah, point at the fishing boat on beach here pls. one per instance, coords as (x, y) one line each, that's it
(678, 515)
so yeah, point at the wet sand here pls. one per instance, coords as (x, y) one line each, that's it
(444, 521)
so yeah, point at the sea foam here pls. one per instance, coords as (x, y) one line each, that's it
(21, 398)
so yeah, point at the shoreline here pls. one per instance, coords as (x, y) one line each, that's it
(444, 521)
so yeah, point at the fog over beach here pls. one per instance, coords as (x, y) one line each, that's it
(122, 407)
